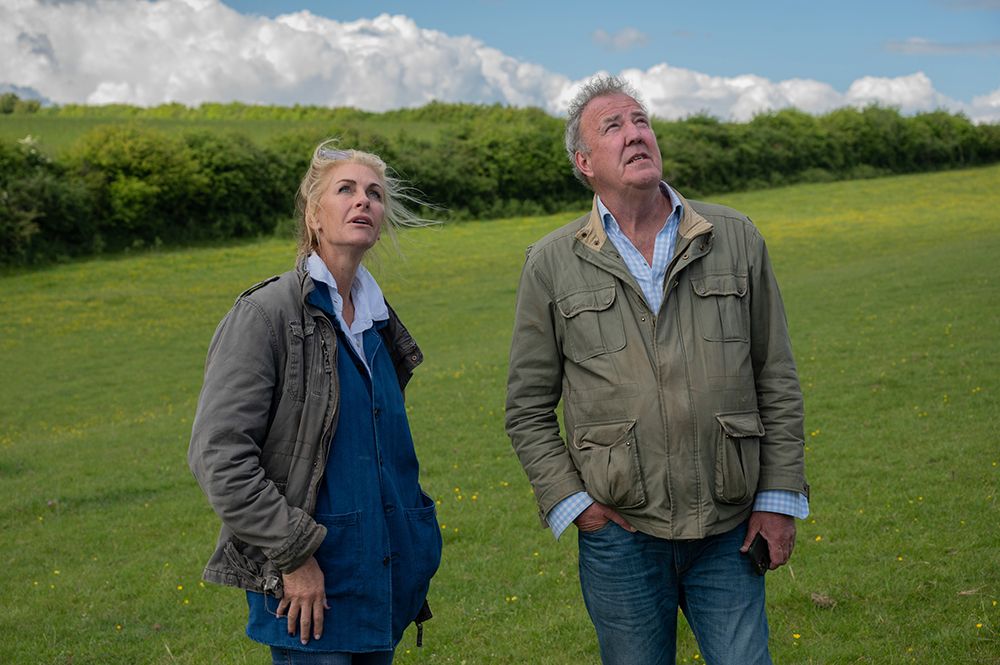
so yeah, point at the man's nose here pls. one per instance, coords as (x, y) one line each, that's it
(632, 133)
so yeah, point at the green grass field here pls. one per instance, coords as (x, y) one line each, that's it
(891, 289)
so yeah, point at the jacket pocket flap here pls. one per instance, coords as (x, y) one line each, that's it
(603, 434)
(741, 425)
(586, 301)
(720, 285)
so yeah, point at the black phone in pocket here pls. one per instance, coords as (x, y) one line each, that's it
(759, 555)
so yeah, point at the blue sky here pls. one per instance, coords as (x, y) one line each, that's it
(833, 42)
(731, 60)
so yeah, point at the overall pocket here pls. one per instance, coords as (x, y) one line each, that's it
(723, 313)
(737, 456)
(425, 539)
(593, 324)
(340, 554)
(608, 460)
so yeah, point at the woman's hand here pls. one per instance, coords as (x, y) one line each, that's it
(304, 600)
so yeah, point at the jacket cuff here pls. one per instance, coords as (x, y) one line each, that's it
(557, 490)
(306, 538)
(782, 480)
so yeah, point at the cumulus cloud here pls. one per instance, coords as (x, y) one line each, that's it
(194, 51)
(986, 108)
(622, 40)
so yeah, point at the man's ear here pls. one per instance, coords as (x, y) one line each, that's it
(582, 162)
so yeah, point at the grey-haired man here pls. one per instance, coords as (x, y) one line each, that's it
(658, 323)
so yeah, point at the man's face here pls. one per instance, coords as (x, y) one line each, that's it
(623, 152)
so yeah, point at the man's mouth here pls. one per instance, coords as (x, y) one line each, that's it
(636, 158)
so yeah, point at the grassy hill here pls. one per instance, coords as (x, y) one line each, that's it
(891, 288)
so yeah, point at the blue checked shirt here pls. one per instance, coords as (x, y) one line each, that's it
(650, 279)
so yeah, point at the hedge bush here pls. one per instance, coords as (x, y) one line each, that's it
(128, 185)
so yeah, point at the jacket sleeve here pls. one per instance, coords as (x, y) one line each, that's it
(779, 397)
(230, 426)
(534, 387)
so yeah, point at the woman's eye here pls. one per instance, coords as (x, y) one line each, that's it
(344, 189)
(375, 194)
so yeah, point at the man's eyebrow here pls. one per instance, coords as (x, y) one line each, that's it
(608, 119)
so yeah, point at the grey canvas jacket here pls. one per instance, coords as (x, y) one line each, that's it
(266, 415)
(675, 419)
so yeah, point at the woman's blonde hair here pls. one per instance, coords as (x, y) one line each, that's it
(396, 193)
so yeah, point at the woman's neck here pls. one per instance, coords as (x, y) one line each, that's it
(343, 268)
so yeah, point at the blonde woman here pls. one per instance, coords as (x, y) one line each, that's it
(301, 441)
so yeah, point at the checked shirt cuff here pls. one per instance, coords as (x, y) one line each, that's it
(785, 502)
(564, 512)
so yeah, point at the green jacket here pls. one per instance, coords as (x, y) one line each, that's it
(676, 419)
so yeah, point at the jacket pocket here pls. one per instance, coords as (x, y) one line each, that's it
(340, 554)
(723, 313)
(737, 456)
(593, 324)
(295, 362)
(425, 540)
(608, 462)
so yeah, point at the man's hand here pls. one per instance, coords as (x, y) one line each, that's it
(779, 532)
(597, 515)
(304, 600)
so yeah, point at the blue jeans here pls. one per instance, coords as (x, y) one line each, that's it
(633, 585)
(281, 656)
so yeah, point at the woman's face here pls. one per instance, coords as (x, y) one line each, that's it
(350, 211)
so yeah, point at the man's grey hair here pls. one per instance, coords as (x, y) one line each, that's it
(599, 86)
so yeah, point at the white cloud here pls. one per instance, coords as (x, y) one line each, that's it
(986, 108)
(622, 40)
(910, 93)
(193, 51)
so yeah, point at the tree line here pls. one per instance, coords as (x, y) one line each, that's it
(128, 185)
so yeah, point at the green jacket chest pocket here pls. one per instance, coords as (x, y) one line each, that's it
(593, 323)
(721, 307)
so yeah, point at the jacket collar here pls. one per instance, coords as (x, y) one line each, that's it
(593, 236)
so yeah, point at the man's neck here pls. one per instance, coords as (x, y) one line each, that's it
(638, 212)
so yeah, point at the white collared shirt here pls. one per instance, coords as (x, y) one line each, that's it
(369, 303)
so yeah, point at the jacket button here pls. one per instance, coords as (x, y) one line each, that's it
(377, 412)
(386, 560)
(685, 256)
